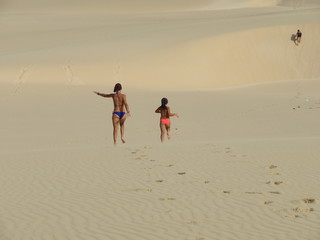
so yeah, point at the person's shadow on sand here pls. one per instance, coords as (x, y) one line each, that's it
(294, 39)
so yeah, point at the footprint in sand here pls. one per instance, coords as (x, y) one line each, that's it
(227, 150)
(203, 181)
(170, 211)
(238, 155)
(313, 107)
(275, 192)
(141, 157)
(302, 209)
(296, 212)
(21, 79)
(306, 200)
(181, 173)
(293, 216)
(195, 222)
(138, 151)
(274, 183)
(22, 74)
(272, 166)
(159, 181)
(266, 202)
(167, 199)
(139, 190)
(169, 165)
(223, 191)
(117, 70)
(72, 79)
(274, 173)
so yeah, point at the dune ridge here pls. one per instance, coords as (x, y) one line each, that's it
(175, 48)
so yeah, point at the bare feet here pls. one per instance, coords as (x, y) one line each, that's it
(123, 141)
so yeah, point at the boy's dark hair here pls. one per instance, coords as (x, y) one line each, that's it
(164, 102)
(117, 87)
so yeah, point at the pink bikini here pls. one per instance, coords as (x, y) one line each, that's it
(165, 121)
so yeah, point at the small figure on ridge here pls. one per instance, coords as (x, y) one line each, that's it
(298, 37)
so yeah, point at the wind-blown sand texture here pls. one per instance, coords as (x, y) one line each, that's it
(243, 161)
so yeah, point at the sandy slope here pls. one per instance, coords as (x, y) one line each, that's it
(245, 167)
(243, 160)
(103, 6)
(180, 47)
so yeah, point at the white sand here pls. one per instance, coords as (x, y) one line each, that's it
(244, 155)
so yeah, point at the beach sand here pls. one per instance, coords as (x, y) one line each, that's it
(244, 155)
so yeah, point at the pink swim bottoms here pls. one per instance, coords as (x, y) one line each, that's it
(165, 121)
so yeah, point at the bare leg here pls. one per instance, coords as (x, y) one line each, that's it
(168, 131)
(297, 41)
(163, 131)
(122, 129)
(115, 122)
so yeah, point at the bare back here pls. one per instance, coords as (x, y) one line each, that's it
(119, 101)
(164, 112)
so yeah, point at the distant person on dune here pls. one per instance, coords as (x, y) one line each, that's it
(165, 112)
(298, 37)
(119, 115)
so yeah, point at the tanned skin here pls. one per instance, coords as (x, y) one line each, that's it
(120, 105)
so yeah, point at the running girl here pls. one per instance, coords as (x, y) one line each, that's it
(164, 110)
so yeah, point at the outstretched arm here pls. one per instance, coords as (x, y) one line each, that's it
(172, 114)
(103, 94)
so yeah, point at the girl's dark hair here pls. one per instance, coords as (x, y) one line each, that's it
(164, 102)
(117, 87)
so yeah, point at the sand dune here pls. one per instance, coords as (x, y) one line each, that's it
(178, 48)
(139, 6)
(252, 56)
(243, 159)
(104, 6)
